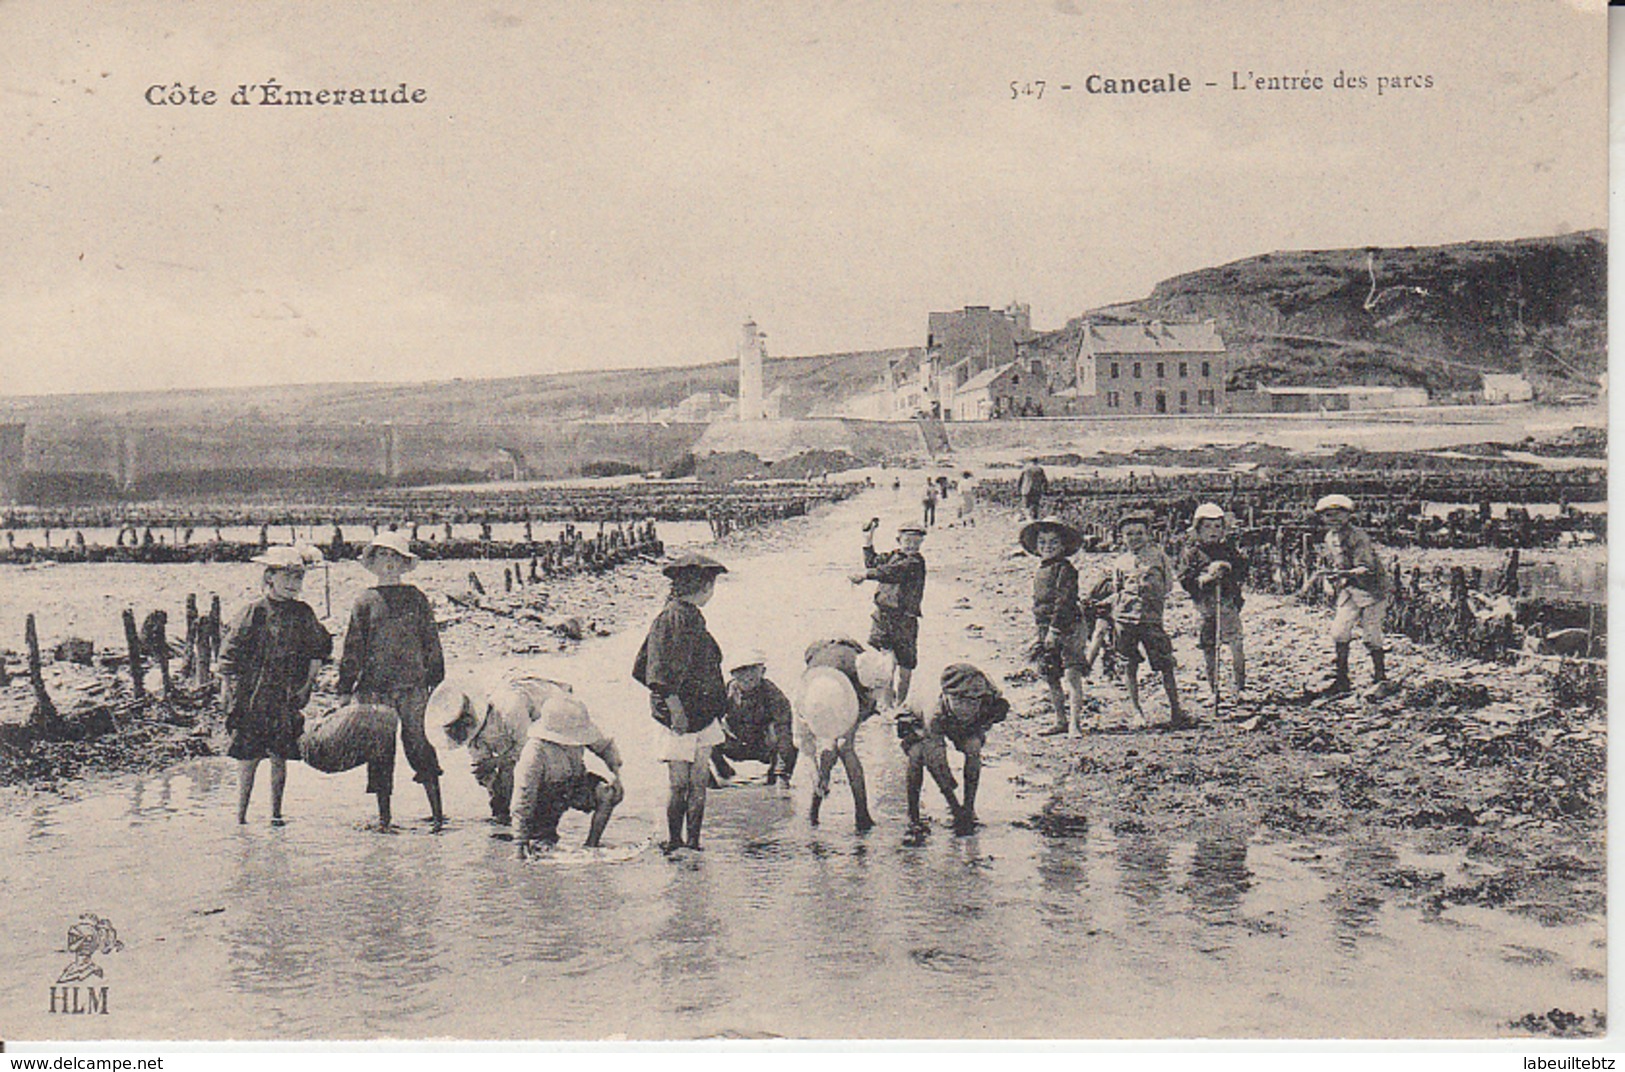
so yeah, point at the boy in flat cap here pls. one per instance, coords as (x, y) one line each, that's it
(1349, 563)
(896, 621)
(968, 706)
(1212, 570)
(1141, 578)
(758, 725)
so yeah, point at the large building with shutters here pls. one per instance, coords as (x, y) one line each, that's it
(1147, 369)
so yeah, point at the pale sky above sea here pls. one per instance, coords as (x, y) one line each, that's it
(594, 185)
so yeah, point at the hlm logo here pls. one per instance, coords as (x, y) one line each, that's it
(87, 938)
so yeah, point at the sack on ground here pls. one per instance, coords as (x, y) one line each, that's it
(349, 737)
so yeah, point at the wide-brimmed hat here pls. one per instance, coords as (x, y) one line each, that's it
(564, 720)
(911, 526)
(1071, 538)
(1334, 502)
(826, 704)
(1135, 517)
(1208, 512)
(875, 668)
(390, 541)
(753, 657)
(692, 562)
(456, 710)
(282, 557)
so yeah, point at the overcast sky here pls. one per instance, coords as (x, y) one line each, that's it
(620, 184)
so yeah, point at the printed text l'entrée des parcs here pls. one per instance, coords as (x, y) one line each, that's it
(1128, 85)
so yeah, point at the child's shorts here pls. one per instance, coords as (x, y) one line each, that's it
(1159, 650)
(1220, 624)
(898, 633)
(1353, 612)
(1053, 663)
(673, 747)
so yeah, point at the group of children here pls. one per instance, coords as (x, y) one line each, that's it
(1128, 609)
(391, 660)
(528, 738)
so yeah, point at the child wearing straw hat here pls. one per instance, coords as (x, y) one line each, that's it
(392, 658)
(1059, 617)
(1212, 571)
(490, 715)
(551, 777)
(681, 664)
(268, 665)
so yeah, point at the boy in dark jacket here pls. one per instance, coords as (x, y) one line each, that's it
(1059, 618)
(392, 657)
(901, 574)
(1141, 577)
(268, 663)
(968, 705)
(758, 722)
(1212, 570)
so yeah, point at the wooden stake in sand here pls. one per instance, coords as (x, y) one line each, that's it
(155, 640)
(209, 635)
(133, 641)
(189, 670)
(44, 718)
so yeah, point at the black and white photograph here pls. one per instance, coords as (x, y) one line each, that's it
(802, 521)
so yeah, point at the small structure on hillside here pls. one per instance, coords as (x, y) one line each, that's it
(1503, 388)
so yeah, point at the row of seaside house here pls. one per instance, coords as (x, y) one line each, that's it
(979, 364)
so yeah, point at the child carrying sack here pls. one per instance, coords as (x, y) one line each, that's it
(349, 737)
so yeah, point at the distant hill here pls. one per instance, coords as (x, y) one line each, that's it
(1434, 317)
(812, 384)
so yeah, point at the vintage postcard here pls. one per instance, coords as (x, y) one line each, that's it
(1063, 520)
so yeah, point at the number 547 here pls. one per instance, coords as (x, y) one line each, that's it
(1027, 89)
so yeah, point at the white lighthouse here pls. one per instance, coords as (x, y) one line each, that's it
(752, 352)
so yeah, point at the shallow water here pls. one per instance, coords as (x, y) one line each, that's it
(87, 599)
(320, 929)
(677, 533)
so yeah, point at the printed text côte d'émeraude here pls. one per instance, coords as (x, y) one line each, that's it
(273, 92)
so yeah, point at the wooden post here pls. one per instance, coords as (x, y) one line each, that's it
(44, 718)
(1463, 605)
(209, 642)
(133, 641)
(155, 639)
(5, 675)
(189, 670)
(507, 579)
